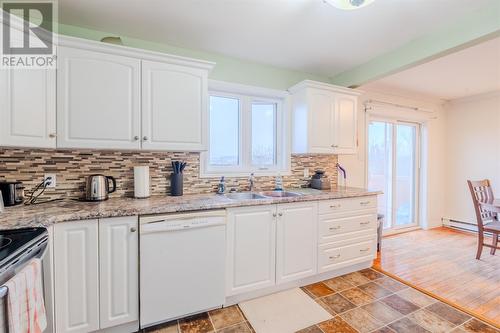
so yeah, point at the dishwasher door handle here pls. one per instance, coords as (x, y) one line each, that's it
(178, 225)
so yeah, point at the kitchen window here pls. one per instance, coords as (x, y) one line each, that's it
(246, 134)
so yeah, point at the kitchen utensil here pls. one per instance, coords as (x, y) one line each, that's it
(98, 188)
(12, 193)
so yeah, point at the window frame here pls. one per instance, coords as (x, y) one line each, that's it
(247, 96)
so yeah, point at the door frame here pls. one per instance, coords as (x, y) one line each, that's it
(417, 224)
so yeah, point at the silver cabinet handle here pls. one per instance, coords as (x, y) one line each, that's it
(334, 257)
(145, 138)
(364, 203)
(274, 214)
(52, 135)
(133, 229)
(335, 228)
(136, 138)
(364, 250)
(280, 214)
(335, 206)
(364, 223)
(335, 146)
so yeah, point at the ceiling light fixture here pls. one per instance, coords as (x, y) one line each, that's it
(349, 4)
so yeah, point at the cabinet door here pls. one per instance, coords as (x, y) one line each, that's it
(76, 269)
(119, 271)
(345, 125)
(174, 112)
(321, 116)
(98, 100)
(27, 108)
(250, 248)
(297, 246)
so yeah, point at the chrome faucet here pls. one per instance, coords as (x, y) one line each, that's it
(251, 181)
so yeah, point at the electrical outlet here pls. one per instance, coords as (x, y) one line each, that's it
(306, 172)
(52, 180)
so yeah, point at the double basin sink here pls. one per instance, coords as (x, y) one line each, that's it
(261, 195)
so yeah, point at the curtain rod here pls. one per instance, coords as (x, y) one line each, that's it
(371, 101)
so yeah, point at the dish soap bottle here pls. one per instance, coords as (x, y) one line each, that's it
(278, 186)
(221, 187)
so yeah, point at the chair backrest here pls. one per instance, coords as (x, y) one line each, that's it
(481, 192)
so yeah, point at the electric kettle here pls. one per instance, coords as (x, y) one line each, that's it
(97, 187)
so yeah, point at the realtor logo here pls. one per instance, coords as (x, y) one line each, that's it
(28, 34)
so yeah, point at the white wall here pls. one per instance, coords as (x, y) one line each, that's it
(433, 164)
(473, 150)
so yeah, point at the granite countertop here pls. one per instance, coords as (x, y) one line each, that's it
(46, 214)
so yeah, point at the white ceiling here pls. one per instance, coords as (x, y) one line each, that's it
(305, 35)
(468, 72)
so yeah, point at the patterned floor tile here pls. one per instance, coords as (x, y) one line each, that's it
(338, 284)
(405, 325)
(431, 322)
(382, 312)
(416, 297)
(318, 289)
(311, 329)
(226, 317)
(371, 274)
(336, 325)
(400, 304)
(391, 284)
(375, 290)
(337, 303)
(171, 327)
(476, 326)
(447, 312)
(384, 330)
(238, 328)
(196, 324)
(361, 320)
(357, 296)
(356, 278)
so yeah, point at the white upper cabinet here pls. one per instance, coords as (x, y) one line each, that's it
(174, 107)
(98, 100)
(28, 108)
(324, 119)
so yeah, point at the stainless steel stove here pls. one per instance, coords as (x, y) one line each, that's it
(17, 248)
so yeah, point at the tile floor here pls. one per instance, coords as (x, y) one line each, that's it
(361, 302)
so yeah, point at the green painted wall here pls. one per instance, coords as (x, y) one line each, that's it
(474, 28)
(227, 69)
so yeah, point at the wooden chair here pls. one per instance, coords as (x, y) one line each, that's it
(487, 220)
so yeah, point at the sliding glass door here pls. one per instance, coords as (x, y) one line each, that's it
(393, 167)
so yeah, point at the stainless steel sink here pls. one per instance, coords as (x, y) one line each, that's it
(244, 196)
(279, 194)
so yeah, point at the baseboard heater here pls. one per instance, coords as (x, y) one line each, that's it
(463, 226)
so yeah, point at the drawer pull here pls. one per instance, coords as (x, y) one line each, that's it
(335, 206)
(335, 228)
(364, 223)
(364, 250)
(334, 257)
(364, 203)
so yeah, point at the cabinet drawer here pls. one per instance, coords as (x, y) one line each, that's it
(332, 227)
(343, 205)
(331, 257)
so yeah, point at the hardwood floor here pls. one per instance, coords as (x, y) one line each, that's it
(442, 262)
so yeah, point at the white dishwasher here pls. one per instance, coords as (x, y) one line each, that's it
(182, 265)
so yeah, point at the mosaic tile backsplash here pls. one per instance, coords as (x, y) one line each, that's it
(72, 167)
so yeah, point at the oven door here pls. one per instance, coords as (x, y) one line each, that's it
(39, 250)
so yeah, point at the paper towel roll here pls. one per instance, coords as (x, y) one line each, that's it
(141, 181)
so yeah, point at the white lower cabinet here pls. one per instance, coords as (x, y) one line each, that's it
(268, 245)
(76, 270)
(119, 267)
(296, 241)
(96, 274)
(251, 248)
